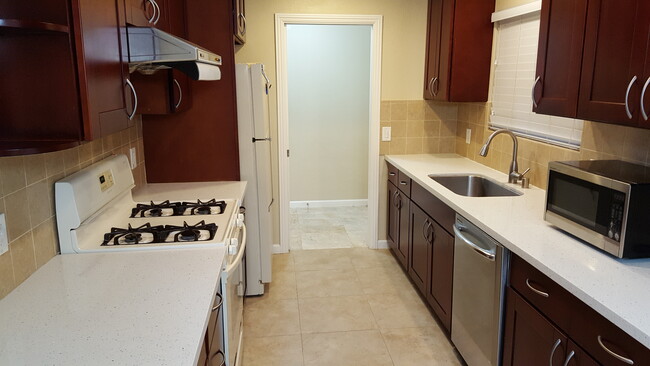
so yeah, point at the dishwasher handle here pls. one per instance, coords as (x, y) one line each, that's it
(484, 252)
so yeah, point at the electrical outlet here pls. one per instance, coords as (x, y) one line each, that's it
(385, 134)
(4, 242)
(134, 161)
(468, 136)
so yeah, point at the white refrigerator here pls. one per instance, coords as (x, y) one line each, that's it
(255, 168)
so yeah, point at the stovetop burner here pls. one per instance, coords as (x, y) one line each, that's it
(147, 234)
(166, 208)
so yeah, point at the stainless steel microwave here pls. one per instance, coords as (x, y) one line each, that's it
(603, 202)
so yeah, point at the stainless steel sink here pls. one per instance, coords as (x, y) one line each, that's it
(471, 185)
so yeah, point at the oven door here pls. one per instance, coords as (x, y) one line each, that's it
(233, 286)
(590, 208)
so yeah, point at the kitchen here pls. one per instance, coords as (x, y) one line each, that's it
(30, 178)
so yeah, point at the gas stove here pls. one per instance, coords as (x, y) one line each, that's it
(96, 212)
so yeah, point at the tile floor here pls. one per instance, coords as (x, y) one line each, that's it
(329, 227)
(341, 307)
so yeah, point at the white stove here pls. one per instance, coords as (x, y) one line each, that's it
(96, 212)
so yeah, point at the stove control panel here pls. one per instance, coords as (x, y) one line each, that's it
(106, 180)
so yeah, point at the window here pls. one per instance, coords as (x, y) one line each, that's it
(514, 75)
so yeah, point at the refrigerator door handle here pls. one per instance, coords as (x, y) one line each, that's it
(264, 139)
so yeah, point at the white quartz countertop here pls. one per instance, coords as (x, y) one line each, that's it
(190, 191)
(616, 288)
(119, 308)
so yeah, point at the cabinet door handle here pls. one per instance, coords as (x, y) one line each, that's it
(533, 92)
(614, 354)
(433, 233)
(395, 199)
(219, 304)
(155, 3)
(555, 346)
(645, 88)
(541, 293)
(243, 29)
(399, 201)
(430, 87)
(425, 230)
(569, 357)
(436, 84)
(627, 97)
(180, 94)
(135, 99)
(153, 15)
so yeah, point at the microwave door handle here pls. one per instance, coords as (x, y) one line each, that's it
(240, 254)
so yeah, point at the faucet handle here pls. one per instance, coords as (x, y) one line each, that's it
(524, 173)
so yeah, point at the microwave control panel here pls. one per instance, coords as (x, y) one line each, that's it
(616, 217)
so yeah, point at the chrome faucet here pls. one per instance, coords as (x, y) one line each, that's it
(513, 175)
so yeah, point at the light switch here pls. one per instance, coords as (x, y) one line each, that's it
(468, 136)
(385, 134)
(4, 242)
(133, 158)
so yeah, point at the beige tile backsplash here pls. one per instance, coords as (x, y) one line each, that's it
(599, 141)
(418, 126)
(27, 199)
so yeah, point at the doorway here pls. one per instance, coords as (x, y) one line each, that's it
(328, 115)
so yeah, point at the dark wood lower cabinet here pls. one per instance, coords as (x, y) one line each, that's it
(529, 338)
(420, 238)
(398, 223)
(441, 259)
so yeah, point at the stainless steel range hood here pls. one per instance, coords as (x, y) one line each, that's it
(151, 49)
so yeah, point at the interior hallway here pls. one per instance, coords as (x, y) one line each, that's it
(341, 307)
(328, 227)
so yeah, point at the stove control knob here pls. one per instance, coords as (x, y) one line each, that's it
(240, 220)
(610, 233)
(617, 236)
(233, 246)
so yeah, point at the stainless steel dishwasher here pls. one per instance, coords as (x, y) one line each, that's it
(479, 280)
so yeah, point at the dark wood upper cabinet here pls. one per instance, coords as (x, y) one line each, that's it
(239, 12)
(645, 91)
(559, 57)
(615, 47)
(459, 50)
(148, 13)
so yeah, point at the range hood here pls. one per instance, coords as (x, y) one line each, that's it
(151, 49)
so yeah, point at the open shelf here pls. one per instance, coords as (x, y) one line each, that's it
(14, 148)
(31, 26)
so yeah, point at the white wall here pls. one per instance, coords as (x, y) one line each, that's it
(329, 81)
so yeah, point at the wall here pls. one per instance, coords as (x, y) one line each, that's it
(404, 37)
(27, 199)
(328, 111)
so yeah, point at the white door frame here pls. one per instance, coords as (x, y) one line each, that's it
(281, 21)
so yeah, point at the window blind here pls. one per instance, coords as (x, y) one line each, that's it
(514, 75)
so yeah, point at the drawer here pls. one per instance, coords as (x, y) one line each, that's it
(542, 292)
(404, 183)
(614, 343)
(434, 207)
(392, 174)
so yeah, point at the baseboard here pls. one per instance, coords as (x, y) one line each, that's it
(328, 203)
(277, 249)
(382, 244)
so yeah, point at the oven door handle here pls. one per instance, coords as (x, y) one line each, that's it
(240, 254)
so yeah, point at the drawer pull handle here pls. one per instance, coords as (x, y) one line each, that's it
(614, 354)
(392, 174)
(541, 293)
(555, 346)
(569, 357)
(402, 183)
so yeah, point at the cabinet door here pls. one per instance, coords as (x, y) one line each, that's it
(402, 252)
(614, 50)
(392, 229)
(148, 13)
(433, 48)
(576, 356)
(240, 21)
(559, 57)
(441, 269)
(645, 96)
(101, 51)
(420, 238)
(529, 338)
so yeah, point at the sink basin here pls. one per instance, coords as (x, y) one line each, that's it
(474, 185)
